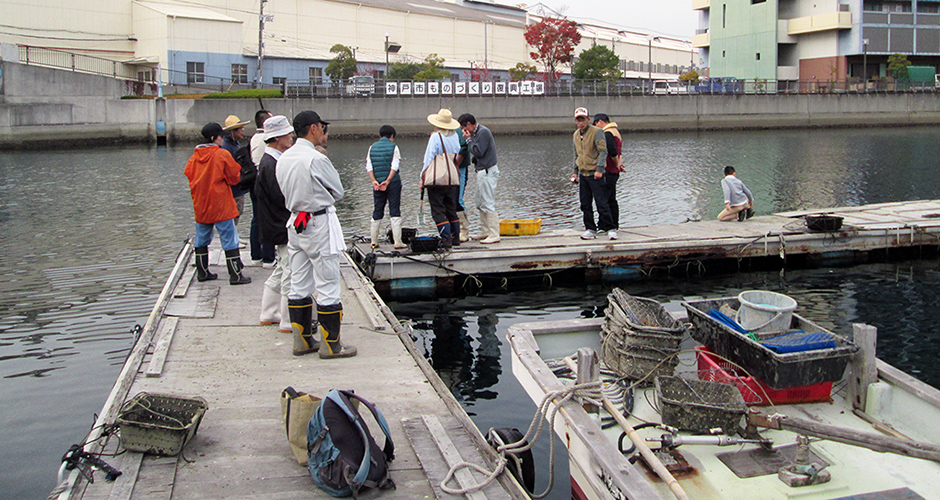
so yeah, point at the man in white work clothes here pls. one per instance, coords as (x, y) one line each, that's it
(314, 237)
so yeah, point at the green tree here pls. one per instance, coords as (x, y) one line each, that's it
(342, 66)
(432, 69)
(597, 63)
(404, 71)
(897, 65)
(522, 71)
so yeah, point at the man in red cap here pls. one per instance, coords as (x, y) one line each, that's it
(590, 157)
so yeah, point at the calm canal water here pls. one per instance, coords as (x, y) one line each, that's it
(88, 238)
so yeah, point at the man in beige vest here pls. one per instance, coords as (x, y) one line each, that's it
(590, 154)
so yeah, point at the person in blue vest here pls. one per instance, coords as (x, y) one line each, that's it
(382, 164)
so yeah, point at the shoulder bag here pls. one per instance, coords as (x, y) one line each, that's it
(442, 171)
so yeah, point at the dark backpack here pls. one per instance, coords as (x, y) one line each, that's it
(342, 455)
(249, 171)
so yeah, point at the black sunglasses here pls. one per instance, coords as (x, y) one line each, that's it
(324, 126)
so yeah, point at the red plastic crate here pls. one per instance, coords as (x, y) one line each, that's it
(752, 389)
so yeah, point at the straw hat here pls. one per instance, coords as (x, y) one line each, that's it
(444, 119)
(277, 126)
(233, 122)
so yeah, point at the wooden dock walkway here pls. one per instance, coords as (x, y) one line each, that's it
(778, 240)
(204, 339)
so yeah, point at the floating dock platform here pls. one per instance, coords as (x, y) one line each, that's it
(204, 340)
(781, 240)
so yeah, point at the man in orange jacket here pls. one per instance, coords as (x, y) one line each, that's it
(212, 172)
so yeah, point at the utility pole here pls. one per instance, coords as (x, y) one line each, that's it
(258, 83)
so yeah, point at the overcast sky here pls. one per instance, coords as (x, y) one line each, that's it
(663, 17)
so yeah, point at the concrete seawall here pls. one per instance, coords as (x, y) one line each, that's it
(40, 107)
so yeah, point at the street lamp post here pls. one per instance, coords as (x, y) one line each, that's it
(389, 47)
(650, 67)
(865, 62)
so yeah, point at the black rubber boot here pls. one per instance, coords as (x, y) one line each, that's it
(234, 263)
(301, 322)
(330, 319)
(455, 233)
(202, 265)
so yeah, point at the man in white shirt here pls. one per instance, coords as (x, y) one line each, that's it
(739, 202)
(314, 237)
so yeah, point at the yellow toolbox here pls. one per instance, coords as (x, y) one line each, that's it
(519, 227)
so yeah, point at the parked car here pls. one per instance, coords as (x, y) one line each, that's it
(719, 85)
(669, 87)
(361, 85)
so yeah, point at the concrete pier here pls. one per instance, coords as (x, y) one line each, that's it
(204, 339)
(781, 240)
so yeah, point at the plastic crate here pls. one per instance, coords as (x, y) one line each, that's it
(697, 406)
(519, 227)
(777, 370)
(159, 423)
(424, 244)
(752, 389)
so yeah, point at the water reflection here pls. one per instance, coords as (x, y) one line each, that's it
(89, 236)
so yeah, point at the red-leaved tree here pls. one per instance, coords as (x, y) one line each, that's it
(554, 41)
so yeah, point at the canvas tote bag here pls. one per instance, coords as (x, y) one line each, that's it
(442, 171)
(296, 410)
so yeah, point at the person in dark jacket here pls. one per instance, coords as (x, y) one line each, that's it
(272, 221)
(613, 168)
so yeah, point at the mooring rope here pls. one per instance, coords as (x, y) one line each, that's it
(588, 392)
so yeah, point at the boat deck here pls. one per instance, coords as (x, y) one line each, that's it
(781, 238)
(204, 340)
(899, 405)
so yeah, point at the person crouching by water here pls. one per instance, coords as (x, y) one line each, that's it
(382, 163)
(278, 136)
(212, 172)
(739, 204)
(590, 156)
(481, 145)
(443, 199)
(314, 238)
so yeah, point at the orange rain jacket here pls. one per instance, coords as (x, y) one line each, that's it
(212, 172)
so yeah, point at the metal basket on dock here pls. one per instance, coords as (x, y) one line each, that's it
(699, 406)
(159, 423)
(639, 337)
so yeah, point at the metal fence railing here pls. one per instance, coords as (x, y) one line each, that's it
(52, 58)
(142, 81)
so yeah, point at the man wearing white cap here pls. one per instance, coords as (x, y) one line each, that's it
(314, 237)
(272, 224)
(590, 157)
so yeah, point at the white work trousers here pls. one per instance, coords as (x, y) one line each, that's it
(486, 189)
(279, 281)
(314, 271)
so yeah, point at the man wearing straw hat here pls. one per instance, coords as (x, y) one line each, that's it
(443, 199)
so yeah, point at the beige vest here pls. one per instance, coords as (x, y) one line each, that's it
(586, 148)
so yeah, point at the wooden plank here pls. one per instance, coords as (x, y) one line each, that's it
(124, 484)
(863, 371)
(463, 476)
(376, 319)
(164, 338)
(183, 286)
(199, 305)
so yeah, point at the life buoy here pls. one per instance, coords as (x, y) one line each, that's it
(520, 465)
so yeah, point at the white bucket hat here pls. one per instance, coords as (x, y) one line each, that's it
(444, 119)
(277, 126)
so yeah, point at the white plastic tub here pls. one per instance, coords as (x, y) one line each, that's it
(763, 311)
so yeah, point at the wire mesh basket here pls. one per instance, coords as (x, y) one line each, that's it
(699, 406)
(159, 423)
(640, 338)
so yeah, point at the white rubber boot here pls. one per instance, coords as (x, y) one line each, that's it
(374, 232)
(396, 233)
(464, 226)
(270, 307)
(284, 326)
(484, 233)
(492, 228)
